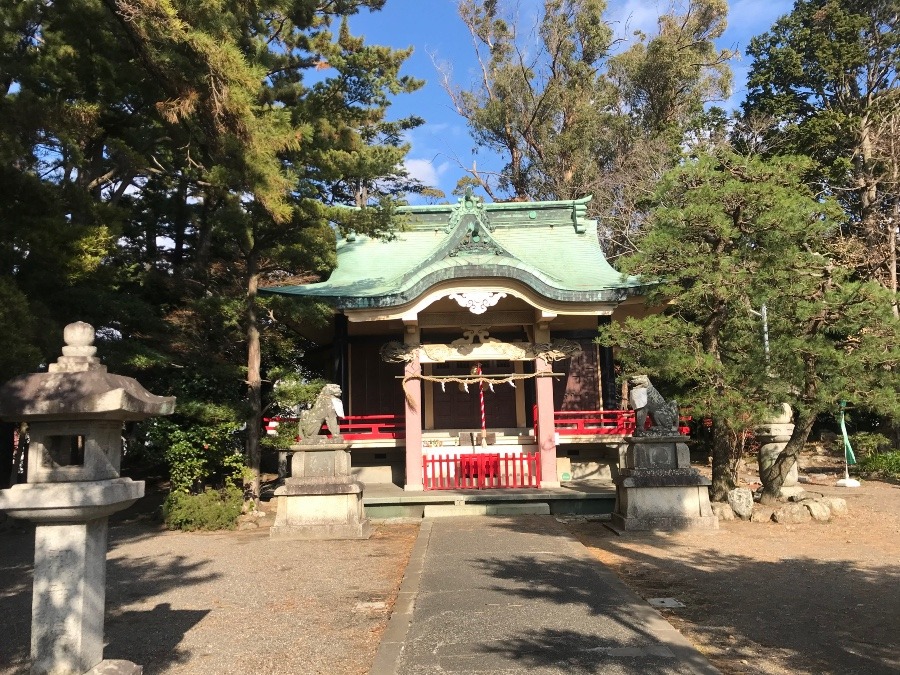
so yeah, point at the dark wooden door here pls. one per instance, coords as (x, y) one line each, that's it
(455, 408)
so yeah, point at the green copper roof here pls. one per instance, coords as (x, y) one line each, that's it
(549, 246)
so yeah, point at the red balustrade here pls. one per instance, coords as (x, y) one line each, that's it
(354, 427)
(480, 471)
(593, 422)
(567, 423)
(601, 422)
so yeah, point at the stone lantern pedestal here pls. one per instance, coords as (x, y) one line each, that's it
(773, 437)
(657, 489)
(320, 500)
(75, 414)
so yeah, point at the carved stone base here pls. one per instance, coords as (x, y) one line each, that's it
(320, 460)
(657, 489)
(655, 452)
(674, 507)
(320, 509)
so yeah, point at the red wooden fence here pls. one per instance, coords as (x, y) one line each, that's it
(600, 422)
(354, 427)
(479, 471)
(593, 422)
(567, 423)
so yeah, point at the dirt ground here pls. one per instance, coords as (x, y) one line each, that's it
(226, 603)
(778, 599)
(759, 597)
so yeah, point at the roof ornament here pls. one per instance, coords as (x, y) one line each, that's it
(477, 302)
(469, 205)
(475, 242)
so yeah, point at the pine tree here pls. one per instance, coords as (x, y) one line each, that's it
(825, 79)
(163, 158)
(728, 234)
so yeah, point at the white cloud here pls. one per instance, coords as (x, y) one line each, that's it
(634, 15)
(427, 171)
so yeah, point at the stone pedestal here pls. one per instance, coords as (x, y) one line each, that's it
(69, 589)
(320, 500)
(657, 489)
(773, 437)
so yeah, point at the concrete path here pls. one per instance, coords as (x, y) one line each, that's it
(516, 595)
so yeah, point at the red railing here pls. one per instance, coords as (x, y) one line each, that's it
(354, 427)
(567, 423)
(479, 471)
(600, 422)
(593, 422)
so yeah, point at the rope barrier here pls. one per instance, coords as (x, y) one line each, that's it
(466, 380)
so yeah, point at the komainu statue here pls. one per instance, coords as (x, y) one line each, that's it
(327, 408)
(645, 400)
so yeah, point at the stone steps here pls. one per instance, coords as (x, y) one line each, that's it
(511, 509)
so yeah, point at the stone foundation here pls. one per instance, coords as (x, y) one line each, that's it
(320, 511)
(321, 500)
(657, 489)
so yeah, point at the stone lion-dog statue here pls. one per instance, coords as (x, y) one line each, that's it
(327, 408)
(646, 401)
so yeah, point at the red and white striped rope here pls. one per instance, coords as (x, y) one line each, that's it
(481, 396)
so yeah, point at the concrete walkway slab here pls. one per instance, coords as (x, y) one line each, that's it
(514, 595)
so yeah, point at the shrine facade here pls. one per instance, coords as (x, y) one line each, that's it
(464, 345)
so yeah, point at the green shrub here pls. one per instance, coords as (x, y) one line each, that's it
(197, 455)
(209, 510)
(867, 443)
(885, 464)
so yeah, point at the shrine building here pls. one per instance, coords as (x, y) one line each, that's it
(464, 346)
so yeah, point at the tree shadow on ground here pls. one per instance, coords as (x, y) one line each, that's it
(818, 615)
(629, 635)
(577, 652)
(128, 633)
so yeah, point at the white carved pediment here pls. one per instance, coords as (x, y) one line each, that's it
(477, 302)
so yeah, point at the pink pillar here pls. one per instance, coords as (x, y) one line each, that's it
(546, 431)
(413, 393)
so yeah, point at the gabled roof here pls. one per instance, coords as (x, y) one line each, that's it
(549, 246)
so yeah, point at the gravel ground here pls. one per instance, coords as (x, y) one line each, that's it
(770, 599)
(761, 598)
(222, 603)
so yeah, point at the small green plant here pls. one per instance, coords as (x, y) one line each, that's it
(867, 443)
(209, 510)
(198, 455)
(884, 464)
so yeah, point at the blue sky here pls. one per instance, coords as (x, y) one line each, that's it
(432, 27)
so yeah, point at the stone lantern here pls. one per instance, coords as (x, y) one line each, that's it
(75, 414)
(773, 437)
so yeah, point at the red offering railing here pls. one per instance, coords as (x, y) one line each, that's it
(567, 423)
(479, 471)
(354, 427)
(601, 422)
(360, 427)
(593, 422)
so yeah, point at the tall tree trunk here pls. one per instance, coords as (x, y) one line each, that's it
(773, 477)
(722, 480)
(254, 384)
(7, 452)
(892, 259)
(180, 225)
